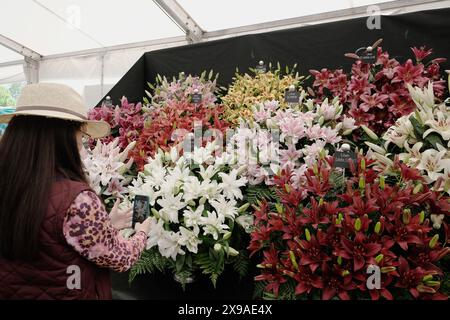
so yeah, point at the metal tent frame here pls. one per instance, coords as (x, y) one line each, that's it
(194, 33)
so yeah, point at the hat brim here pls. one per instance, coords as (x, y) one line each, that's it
(96, 129)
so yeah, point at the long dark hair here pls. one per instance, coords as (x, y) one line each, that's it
(34, 151)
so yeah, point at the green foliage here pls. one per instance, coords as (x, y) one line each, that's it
(241, 263)
(211, 264)
(6, 100)
(253, 194)
(150, 261)
(259, 289)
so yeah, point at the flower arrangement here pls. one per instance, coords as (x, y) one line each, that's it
(180, 89)
(169, 125)
(376, 95)
(197, 213)
(126, 121)
(290, 138)
(248, 90)
(107, 169)
(318, 242)
(420, 139)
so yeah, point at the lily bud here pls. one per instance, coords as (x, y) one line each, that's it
(288, 188)
(307, 234)
(321, 120)
(315, 169)
(421, 216)
(155, 213)
(217, 247)
(292, 257)
(227, 235)
(375, 148)
(321, 202)
(322, 154)
(387, 269)
(362, 183)
(377, 228)
(382, 182)
(363, 164)
(417, 188)
(279, 208)
(358, 224)
(369, 132)
(433, 283)
(345, 273)
(347, 132)
(406, 216)
(379, 258)
(264, 266)
(425, 289)
(428, 277)
(339, 260)
(433, 241)
(232, 252)
(244, 207)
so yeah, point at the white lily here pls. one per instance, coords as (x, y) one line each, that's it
(170, 205)
(192, 218)
(422, 97)
(214, 225)
(231, 185)
(226, 208)
(189, 239)
(440, 126)
(156, 231)
(432, 162)
(169, 245)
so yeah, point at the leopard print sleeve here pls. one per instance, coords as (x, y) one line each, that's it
(88, 230)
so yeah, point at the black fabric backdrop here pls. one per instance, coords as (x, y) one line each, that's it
(312, 47)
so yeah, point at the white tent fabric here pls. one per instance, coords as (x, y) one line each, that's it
(90, 44)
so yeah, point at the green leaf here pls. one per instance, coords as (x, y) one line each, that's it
(180, 262)
(418, 128)
(241, 263)
(434, 139)
(150, 261)
(255, 193)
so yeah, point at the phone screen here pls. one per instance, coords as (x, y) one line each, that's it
(141, 209)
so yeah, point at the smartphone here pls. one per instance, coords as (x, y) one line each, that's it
(141, 209)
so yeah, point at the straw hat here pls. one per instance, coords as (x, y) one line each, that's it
(56, 101)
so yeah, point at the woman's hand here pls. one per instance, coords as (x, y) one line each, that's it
(144, 226)
(120, 219)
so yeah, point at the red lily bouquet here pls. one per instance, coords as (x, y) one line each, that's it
(168, 125)
(376, 95)
(369, 237)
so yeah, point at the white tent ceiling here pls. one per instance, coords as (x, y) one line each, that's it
(96, 41)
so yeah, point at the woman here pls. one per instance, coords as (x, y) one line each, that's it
(56, 239)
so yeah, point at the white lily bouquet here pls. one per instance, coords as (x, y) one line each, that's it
(197, 213)
(107, 168)
(421, 140)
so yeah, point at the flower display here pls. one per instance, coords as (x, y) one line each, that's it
(197, 210)
(420, 139)
(324, 243)
(169, 125)
(293, 138)
(107, 168)
(376, 95)
(126, 121)
(182, 88)
(248, 90)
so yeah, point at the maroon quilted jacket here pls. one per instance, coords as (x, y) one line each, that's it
(51, 274)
